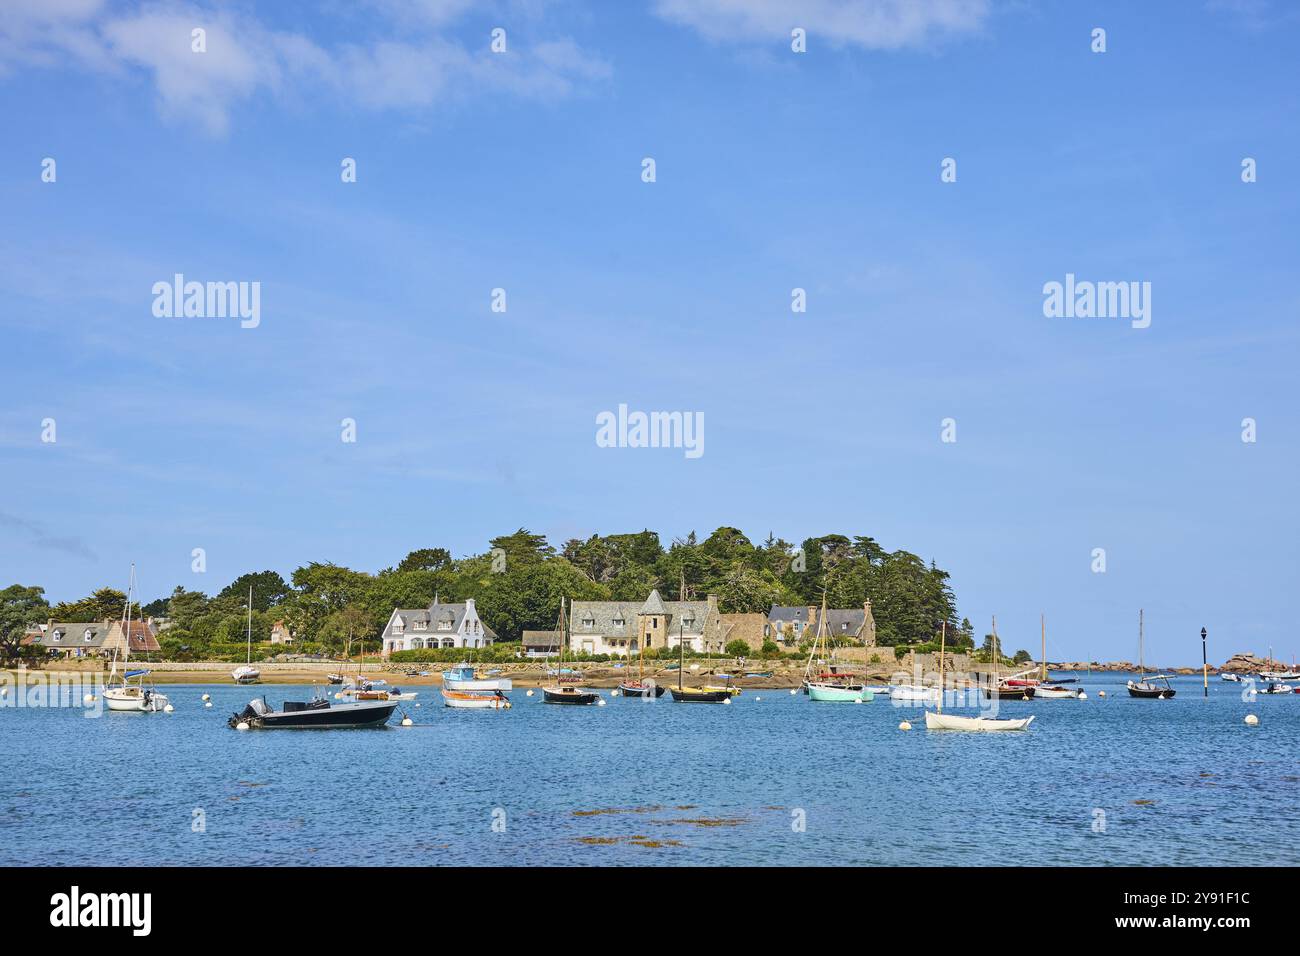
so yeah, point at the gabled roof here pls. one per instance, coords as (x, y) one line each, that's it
(603, 617)
(434, 616)
(852, 617)
(783, 614)
(74, 635)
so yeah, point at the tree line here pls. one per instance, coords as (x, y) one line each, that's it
(517, 584)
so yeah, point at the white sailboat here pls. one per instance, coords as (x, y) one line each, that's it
(246, 673)
(131, 694)
(937, 720)
(1043, 690)
(832, 687)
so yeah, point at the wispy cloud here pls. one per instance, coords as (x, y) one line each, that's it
(412, 68)
(869, 24)
(36, 535)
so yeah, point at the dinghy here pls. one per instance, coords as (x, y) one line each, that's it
(475, 700)
(839, 693)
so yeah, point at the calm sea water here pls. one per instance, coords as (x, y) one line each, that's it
(1107, 780)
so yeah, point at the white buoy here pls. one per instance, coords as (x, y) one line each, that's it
(1252, 720)
(417, 705)
(1101, 693)
(242, 725)
(208, 704)
(757, 699)
(206, 697)
(88, 699)
(614, 692)
(529, 694)
(904, 726)
(1082, 696)
(168, 709)
(726, 700)
(793, 691)
(407, 721)
(600, 701)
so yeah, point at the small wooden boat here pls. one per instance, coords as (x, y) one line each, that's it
(1044, 692)
(1146, 687)
(316, 714)
(699, 695)
(695, 695)
(937, 720)
(464, 677)
(1008, 692)
(839, 693)
(641, 688)
(475, 700)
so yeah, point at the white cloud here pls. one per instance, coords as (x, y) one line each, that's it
(870, 24)
(244, 58)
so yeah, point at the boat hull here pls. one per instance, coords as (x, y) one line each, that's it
(569, 695)
(132, 702)
(361, 715)
(1009, 693)
(1148, 692)
(698, 695)
(914, 692)
(641, 690)
(826, 693)
(1055, 693)
(935, 721)
(481, 701)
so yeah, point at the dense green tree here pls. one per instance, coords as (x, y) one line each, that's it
(269, 589)
(21, 607)
(106, 604)
(426, 559)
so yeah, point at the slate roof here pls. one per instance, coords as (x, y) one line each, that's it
(689, 617)
(784, 615)
(541, 639)
(852, 617)
(74, 635)
(434, 616)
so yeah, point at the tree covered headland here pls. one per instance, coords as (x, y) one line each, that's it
(517, 584)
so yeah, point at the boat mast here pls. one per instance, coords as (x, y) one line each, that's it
(1042, 622)
(249, 658)
(681, 655)
(943, 644)
(1142, 667)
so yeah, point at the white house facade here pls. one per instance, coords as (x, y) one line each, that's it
(437, 626)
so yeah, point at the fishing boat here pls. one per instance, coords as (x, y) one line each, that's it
(1146, 687)
(1045, 689)
(246, 673)
(937, 720)
(1272, 673)
(131, 694)
(565, 690)
(1276, 687)
(694, 695)
(641, 687)
(315, 714)
(464, 677)
(475, 700)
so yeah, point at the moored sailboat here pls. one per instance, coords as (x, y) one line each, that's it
(1045, 689)
(835, 687)
(640, 687)
(694, 695)
(937, 720)
(131, 694)
(1146, 687)
(565, 690)
(246, 673)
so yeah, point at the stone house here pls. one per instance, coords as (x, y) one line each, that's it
(622, 628)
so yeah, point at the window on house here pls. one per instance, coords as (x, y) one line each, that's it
(618, 622)
(89, 636)
(421, 626)
(844, 626)
(588, 622)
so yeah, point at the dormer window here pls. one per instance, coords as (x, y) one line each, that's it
(844, 626)
(89, 635)
(618, 621)
(421, 625)
(58, 635)
(588, 622)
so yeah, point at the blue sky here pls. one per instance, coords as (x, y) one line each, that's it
(775, 170)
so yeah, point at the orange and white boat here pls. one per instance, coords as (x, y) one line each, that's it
(476, 700)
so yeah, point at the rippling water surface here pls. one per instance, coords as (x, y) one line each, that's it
(1107, 780)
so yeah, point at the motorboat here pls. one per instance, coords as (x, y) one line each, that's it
(315, 714)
